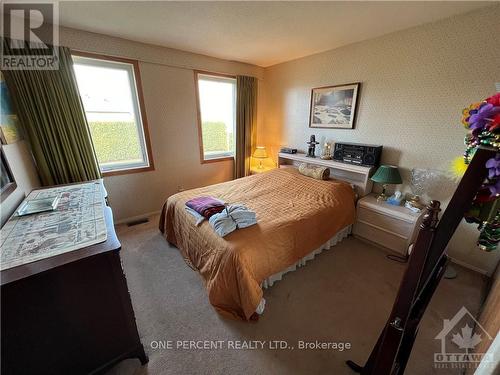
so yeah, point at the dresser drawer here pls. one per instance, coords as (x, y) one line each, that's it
(391, 224)
(381, 237)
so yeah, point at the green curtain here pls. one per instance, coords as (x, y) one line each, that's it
(246, 123)
(53, 119)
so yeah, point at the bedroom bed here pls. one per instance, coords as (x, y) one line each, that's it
(296, 217)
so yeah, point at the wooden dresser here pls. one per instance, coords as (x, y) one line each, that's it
(393, 227)
(70, 313)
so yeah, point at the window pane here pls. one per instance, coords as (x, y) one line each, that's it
(109, 97)
(217, 97)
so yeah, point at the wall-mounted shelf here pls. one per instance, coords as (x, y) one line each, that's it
(355, 174)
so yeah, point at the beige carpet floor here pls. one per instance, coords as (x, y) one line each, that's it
(343, 295)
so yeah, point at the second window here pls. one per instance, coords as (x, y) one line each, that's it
(217, 116)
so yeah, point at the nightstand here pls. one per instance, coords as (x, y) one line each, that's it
(392, 227)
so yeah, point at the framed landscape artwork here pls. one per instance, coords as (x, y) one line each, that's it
(9, 122)
(334, 107)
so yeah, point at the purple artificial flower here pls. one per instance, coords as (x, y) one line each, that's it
(495, 189)
(493, 166)
(483, 116)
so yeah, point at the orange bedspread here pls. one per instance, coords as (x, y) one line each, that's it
(295, 214)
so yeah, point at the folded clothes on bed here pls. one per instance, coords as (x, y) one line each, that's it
(233, 217)
(199, 218)
(206, 206)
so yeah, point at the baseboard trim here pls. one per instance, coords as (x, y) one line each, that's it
(469, 266)
(137, 217)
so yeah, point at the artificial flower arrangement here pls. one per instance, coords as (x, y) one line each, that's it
(483, 121)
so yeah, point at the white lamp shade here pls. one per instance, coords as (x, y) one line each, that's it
(260, 152)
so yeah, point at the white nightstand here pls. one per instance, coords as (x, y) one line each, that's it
(393, 227)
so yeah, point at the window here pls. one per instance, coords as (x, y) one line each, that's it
(217, 116)
(109, 88)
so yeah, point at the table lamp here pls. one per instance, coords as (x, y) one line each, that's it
(385, 175)
(260, 153)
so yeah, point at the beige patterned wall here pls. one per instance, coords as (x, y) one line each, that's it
(112, 46)
(414, 86)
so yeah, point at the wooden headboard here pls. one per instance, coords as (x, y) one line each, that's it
(357, 175)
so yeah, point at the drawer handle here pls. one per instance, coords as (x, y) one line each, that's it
(384, 230)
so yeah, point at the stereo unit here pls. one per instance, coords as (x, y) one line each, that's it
(360, 154)
(288, 150)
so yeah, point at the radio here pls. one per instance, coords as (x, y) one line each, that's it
(354, 153)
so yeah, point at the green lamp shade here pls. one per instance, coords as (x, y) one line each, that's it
(387, 174)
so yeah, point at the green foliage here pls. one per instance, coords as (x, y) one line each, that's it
(215, 137)
(115, 141)
(118, 141)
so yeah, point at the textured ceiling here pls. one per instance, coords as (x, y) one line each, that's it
(260, 33)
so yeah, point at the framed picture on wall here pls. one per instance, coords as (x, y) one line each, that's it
(334, 107)
(9, 122)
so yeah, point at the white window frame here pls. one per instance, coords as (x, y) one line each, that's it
(131, 67)
(216, 77)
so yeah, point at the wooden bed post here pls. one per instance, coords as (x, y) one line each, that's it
(423, 273)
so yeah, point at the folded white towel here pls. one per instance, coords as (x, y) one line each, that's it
(198, 218)
(233, 217)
